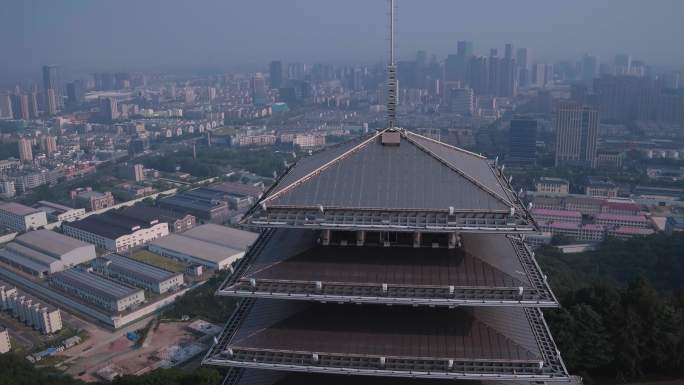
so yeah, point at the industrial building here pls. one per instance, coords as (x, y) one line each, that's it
(178, 222)
(201, 206)
(21, 218)
(115, 231)
(209, 245)
(60, 213)
(137, 273)
(47, 319)
(98, 290)
(44, 252)
(5, 344)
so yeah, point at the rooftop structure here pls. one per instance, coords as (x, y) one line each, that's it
(212, 246)
(44, 252)
(205, 208)
(137, 273)
(354, 186)
(178, 222)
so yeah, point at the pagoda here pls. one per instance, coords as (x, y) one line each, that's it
(390, 259)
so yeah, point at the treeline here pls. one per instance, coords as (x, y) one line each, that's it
(622, 315)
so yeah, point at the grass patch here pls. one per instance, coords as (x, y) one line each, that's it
(159, 261)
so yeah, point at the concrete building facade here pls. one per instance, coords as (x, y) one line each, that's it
(21, 218)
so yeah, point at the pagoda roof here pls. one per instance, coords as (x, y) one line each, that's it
(416, 183)
(489, 269)
(240, 376)
(476, 342)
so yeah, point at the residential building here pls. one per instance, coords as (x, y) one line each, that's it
(44, 252)
(615, 220)
(212, 246)
(601, 188)
(136, 273)
(25, 150)
(21, 218)
(522, 141)
(60, 213)
(576, 231)
(557, 186)
(98, 290)
(546, 215)
(7, 189)
(114, 231)
(5, 344)
(92, 200)
(576, 134)
(45, 318)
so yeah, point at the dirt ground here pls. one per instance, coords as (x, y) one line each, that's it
(123, 353)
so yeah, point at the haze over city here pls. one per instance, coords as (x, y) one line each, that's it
(83, 35)
(376, 192)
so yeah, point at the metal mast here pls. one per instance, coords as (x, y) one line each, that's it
(392, 76)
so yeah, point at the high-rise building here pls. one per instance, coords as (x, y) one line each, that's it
(523, 63)
(590, 68)
(258, 90)
(109, 109)
(522, 141)
(75, 93)
(25, 150)
(50, 101)
(623, 64)
(508, 74)
(33, 105)
(276, 74)
(48, 143)
(51, 88)
(576, 128)
(20, 106)
(460, 100)
(6, 106)
(479, 75)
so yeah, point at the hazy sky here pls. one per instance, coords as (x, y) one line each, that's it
(141, 34)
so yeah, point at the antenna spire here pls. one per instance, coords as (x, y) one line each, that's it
(392, 75)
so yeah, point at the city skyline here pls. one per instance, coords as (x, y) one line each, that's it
(244, 34)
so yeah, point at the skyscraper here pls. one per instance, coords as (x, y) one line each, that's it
(48, 143)
(51, 82)
(25, 151)
(522, 141)
(576, 134)
(590, 68)
(109, 109)
(276, 74)
(6, 106)
(20, 106)
(522, 61)
(75, 93)
(258, 89)
(623, 64)
(479, 75)
(33, 104)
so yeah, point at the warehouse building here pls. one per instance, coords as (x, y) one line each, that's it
(45, 252)
(202, 206)
(28, 310)
(137, 273)
(20, 217)
(212, 246)
(98, 290)
(178, 222)
(115, 231)
(60, 213)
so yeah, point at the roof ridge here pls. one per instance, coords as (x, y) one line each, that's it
(446, 145)
(507, 337)
(461, 172)
(324, 167)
